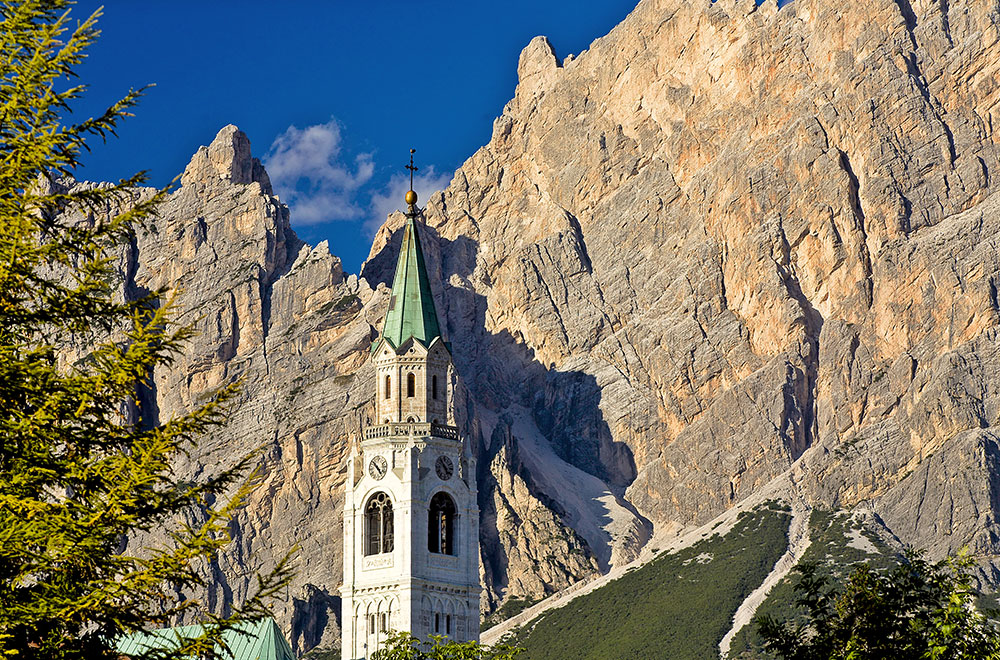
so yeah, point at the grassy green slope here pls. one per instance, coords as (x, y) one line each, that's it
(509, 609)
(831, 547)
(676, 607)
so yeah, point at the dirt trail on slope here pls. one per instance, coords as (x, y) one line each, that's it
(798, 542)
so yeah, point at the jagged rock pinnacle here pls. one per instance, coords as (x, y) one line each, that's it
(227, 158)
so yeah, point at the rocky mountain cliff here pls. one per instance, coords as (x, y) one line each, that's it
(724, 244)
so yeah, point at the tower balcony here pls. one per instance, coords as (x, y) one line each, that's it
(411, 429)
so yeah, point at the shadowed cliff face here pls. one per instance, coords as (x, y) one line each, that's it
(724, 242)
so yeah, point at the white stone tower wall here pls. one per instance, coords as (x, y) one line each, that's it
(414, 588)
(422, 406)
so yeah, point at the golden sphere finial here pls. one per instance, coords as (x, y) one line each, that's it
(411, 197)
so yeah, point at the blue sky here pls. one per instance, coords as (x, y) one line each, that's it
(332, 94)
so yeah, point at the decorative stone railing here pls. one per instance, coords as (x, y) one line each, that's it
(412, 429)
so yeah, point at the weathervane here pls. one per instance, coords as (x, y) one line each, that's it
(411, 196)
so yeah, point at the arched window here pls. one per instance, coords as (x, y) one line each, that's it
(434, 386)
(411, 384)
(378, 525)
(441, 525)
(388, 386)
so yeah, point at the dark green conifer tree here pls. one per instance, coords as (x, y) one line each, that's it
(79, 473)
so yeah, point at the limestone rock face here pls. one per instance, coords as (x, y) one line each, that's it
(280, 316)
(728, 234)
(724, 242)
(227, 158)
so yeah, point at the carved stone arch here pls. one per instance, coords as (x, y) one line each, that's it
(439, 606)
(442, 524)
(391, 611)
(461, 618)
(382, 615)
(439, 620)
(379, 524)
(369, 618)
(448, 612)
(426, 612)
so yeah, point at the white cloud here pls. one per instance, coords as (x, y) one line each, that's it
(392, 199)
(305, 169)
(308, 170)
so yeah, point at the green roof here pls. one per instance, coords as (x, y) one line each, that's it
(250, 640)
(411, 304)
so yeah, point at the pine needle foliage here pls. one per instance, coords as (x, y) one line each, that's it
(80, 470)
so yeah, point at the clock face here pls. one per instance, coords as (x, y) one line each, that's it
(444, 468)
(377, 468)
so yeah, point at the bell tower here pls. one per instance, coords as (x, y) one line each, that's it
(411, 519)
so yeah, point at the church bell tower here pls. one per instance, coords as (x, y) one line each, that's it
(411, 521)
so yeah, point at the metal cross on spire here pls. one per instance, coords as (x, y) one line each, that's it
(411, 196)
(412, 167)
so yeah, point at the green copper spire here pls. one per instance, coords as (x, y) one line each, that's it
(411, 305)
